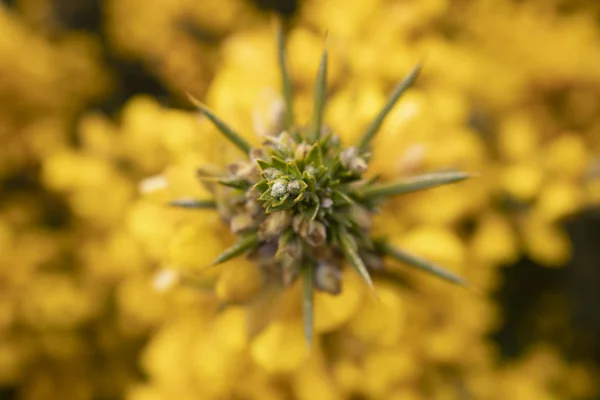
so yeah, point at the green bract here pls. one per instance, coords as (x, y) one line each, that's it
(301, 205)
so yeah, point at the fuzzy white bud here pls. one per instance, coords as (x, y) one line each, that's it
(279, 188)
(294, 187)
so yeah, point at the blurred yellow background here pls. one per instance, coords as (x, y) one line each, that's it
(97, 135)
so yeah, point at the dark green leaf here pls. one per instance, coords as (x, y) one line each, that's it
(307, 302)
(278, 163)
(240, 184)
(414, 184)
(420, 263)
(286, 81)
(348, 247)
(191, 203)
(319, 98)
(243, 245)
(262, 164)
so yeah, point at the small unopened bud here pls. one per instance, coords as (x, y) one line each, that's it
(296, 186)
(358, 165)
(351, 160)
(257, 153)
(244, 170)
(285, 141)
(279, 188)
(275, 224)
(302, 150)
(361, 216)
(326, 202)
(301, 225)
(328, 278)
(290, 248)
(271, 173)
(311, 170)
(241, 222)
(290, 269)
(253, 207)
(347, 155)
(317, 233)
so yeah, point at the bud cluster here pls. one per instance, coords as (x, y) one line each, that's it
(301, 205)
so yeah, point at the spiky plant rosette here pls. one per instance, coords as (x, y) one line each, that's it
(301, 204)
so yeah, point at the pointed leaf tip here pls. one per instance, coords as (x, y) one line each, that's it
(320, 91)
(374, 126)
(286, 81)
(348, 247)
(424, 265)
(308, 302)
(243, 245)
(225, 129)
(414, 184)
(192, 203)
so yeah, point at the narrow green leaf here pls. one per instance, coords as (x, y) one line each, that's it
(192, 203)
(319, 97)
(262, 164)
(286, 81)
(341, 198)
(278, 163)
(427, 266)
(280, 201)
(373, 128)
(243, 245)
(228, 132)
(262, 185)
(348, 247)
(414, 184)
(307, 302)
(240, 184)
(313, 155)
(298, 198)
(292, 169)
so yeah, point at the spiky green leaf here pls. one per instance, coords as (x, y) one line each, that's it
(240, 184)
(225, 129)
(424, 265)
(307, 302)
(262, 164)
(373, 128)
(414, 184)
(348, 247)
(319, 97)
(278, 163)
(262, 185)
(286, 80)
(243, 245)
(193, 203)
(292, 169)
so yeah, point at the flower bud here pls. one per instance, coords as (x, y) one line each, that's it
(317, 234)
(279, 188)
(302, 150)
(352, 161)
(241, 222)
(328, 278)
(271, 173)
(275, 224)
(326, 202)
(290, 269)
(358, 165)
(301, 225)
